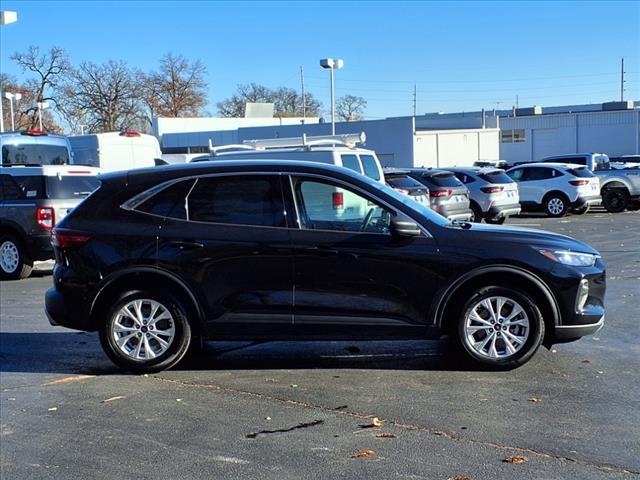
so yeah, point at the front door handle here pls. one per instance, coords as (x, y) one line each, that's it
(186, 245)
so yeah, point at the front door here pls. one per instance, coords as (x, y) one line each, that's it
(353, 278)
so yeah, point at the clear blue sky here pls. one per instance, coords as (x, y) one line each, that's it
(463, 55)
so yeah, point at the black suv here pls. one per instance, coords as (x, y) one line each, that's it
(156, 258)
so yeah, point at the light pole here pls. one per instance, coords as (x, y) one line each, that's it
(332, 65)
(6, 17)
(40, 106)
(12, 97)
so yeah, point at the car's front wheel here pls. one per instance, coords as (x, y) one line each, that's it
(146, 331)
(14, 261)
(500, 327)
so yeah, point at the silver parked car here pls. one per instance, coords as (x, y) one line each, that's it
(494, 195)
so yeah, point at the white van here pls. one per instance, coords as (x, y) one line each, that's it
(115, 150)
(337, 150)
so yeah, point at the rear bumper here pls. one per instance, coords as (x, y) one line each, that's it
(454, 212)
(39, 247)
(587, 201)
(65, 314)
(500, 211)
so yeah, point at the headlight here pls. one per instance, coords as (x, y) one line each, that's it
(575, 259)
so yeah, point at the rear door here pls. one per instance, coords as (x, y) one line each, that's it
(226, 236)
(352, 277)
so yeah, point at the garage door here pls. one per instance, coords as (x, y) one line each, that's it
(550, 141)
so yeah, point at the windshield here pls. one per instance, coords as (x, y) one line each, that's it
(496, 176)
(75, 186)
(35, 154)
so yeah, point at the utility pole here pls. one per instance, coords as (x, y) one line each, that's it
(622, 80)
(517, 105)
(304, 100)
(415, 99)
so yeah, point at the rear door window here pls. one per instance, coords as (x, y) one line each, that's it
(254, 200)
(351, 162)
(538, 173)
(370, 165)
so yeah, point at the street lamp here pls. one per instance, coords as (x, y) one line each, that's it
(12, 97)
(6, 17)
(40, 106)
(332, 65)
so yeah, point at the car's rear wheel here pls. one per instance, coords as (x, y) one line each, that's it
(580, 210)
(146, 331)
(476, 213)
(500, 327)
(615, 200)
(14, 261)
(556, 205)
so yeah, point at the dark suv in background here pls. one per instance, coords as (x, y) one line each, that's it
(33, 198)
(251, 250)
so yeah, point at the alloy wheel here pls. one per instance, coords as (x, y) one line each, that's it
(555, 206)
(496, 327)
(9, 257)
(143, 329)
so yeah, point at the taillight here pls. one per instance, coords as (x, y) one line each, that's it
(492, 189)
(45, 217)
(337, 199)
(64, 239)
(441, 193)
(578, 183)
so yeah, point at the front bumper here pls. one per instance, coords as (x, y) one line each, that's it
(573, 332)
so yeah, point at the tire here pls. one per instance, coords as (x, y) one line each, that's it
(484, 343)
(581, 210)
(476, 213)
(615, 200)
(15, 263)
(555, 205)
(143, 351)
(496, 221)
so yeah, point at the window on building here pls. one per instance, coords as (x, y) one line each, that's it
(506, 136)
(513, 136)
(518, 135)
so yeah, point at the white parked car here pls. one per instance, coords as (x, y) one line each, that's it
(556, 188)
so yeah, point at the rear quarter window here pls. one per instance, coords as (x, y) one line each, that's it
(169, 202)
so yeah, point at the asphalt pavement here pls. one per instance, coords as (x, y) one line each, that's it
(283, 410)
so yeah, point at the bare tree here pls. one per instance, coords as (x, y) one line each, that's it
(350, 108)
(49, 69)
(105, 97)
(178, 89)
(287, 101)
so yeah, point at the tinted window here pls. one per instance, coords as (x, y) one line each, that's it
(497, 176)
(238, 200)
(35, 154)
(517, 174)
(464, 178)
(67, 186)
(538, 173)
(602, 162)
(581, 172)
(351, 162)
(9, 189)
(170, 202)
(444, 180)
(403, 182)
(29, 187)
(370, 166)
(325, 206)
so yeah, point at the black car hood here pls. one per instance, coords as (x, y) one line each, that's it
(537, 238)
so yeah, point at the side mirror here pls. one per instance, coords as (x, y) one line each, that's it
(404, 227)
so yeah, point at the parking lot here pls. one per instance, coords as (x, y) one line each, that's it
(286, 410)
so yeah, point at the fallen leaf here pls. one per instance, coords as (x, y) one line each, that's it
(460, 477)
(52, 409)
(113, 399)
(376, 422)
(535, 399)
(386, 435)
(516, 459)
(76, 378)
(341, 407)
(364, 453)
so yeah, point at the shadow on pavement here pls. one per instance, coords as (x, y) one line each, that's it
(80, 353)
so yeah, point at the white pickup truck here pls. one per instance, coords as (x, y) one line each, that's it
(619, 187)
